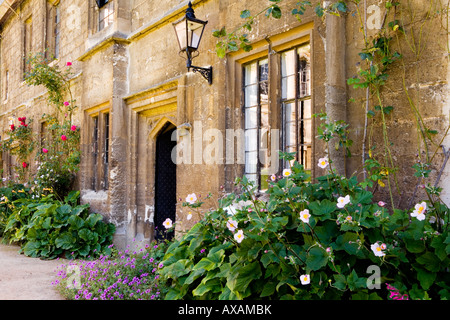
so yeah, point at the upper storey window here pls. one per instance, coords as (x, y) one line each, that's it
(105, 14)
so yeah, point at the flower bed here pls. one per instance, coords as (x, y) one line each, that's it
(127, 275)
(304, 240)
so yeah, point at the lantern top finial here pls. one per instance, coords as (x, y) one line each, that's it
(190, 12)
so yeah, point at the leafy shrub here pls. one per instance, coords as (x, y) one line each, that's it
(9, 195)
(305, 240)
(122, 276)
(49, 228)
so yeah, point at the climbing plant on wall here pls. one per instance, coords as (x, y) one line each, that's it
(59, 156)
(399, 33)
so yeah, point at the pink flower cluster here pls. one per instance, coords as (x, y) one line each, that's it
(22, 123)
(395, 294)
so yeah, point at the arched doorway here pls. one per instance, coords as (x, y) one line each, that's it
(165, 182)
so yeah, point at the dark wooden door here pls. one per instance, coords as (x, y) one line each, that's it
(165, 183)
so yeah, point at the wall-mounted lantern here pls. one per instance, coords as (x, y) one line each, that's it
(189, 31)
(101, 3)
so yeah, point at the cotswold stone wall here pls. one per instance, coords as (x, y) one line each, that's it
(131, 72)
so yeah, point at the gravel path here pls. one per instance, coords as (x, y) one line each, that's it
(25, 278)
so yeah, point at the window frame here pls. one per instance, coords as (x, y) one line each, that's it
(53, 31)
(272, 49)
(100, 150)
(7, 79)
(108, 19)
(298, 100)
(27, 43)
(259, 126)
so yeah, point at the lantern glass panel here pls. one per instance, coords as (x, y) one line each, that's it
(180, 29)
(195, 33)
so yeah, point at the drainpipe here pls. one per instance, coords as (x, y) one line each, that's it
(335, 83)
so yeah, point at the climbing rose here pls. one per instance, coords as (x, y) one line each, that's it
(73, 128)
(66, 103)
(44, 150)
(13, 127)
(24, 164)
(69, 63)
(342, 201)
(63, 138)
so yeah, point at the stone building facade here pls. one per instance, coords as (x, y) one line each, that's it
(133, 90)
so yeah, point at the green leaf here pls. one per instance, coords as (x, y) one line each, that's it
(414, 246)
(93, 219)
(354, 282)
(430, 261)
(221, 51)
(324, 207)
(86, 235)
(276, 12)
(32, 248)
(64, 209)
(65, 241)
(178, 269)
(47, 223)
(85, 250)
(425, 278)
(220, 33)
(241, 276)
(203, 288)
(319, 10)
(211, 261)
(174, 294)
(232, 46)
(76, 222)
(227, 295)
(317, 258)
(245, 14)
(268, 289)
(193, 276)
(72, 197)
(438, 244)
(340, 281)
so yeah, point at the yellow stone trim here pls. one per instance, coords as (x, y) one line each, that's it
(103, 45)
(157, 128)
(101, 108)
